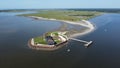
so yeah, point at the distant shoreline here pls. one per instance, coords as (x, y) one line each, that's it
(84, 23)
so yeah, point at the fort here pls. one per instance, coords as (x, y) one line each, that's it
(49, 41)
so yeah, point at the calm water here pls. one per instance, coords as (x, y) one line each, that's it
(16, 31)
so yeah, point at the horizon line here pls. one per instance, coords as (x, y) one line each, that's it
(52, 8)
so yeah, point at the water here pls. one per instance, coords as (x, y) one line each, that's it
(15, 13)
(16, 31)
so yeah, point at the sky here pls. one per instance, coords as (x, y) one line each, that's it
(48, 4)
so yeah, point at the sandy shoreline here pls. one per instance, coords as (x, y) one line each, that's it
(84, 23)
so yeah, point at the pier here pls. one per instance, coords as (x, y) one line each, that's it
(86, 42)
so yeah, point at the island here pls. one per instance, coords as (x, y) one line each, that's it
(57, 39)
(69, 15)
(49, 41)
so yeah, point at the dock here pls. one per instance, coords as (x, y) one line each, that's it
(86, 42)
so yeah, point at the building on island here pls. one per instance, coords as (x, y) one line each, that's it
(50, 40)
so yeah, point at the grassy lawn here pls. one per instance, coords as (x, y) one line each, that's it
(40, 40)
(69, 15)
(57, 41)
